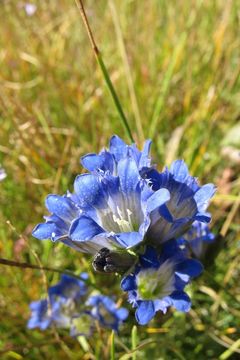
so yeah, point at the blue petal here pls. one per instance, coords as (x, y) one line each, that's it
(161, 305)
(61, 206)
(129, 239)
(158, 198)
(189, 267)
(45, 231)
(122, 314)
(153, 176)
(205, 217)
(203, 195)
(145, 161)
(145, 312)
(171, 249)
(165, 213)
(104, 161)
(128, 175)
(179, 170)
(118, 147)
(68, 287)
(180, 300)
(84, 276)
(128, 283)
(84, 228)
(149, 258)
(89, 190)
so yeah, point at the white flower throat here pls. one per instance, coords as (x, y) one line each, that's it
(156, 283)
(124, 225)
(119, 219)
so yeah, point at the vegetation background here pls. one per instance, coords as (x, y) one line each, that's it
(176, 68)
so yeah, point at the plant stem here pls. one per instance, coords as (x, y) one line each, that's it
(112, 346)
(134, 342)
(128, 73)
(104, 69)
(24, 265)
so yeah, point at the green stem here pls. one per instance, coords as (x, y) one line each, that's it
(134, 342)
(114, 96)
(104, 70)
(112, 346)
(23, 265)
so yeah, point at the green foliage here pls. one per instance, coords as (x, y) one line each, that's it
(183, 90)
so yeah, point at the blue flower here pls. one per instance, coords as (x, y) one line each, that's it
(64, 211)
(158, 282)
(106, 312)
(108, 211)
(50, 311)
(115, 209)
(71, 306)
(198, 237)
(65, 301)
(41, 315)
(187, 203)
(70, 287)
(124, 202)
(107, 160)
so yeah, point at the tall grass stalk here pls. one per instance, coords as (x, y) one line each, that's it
(104, 70)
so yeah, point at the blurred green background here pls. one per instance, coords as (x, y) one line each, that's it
(176, 68)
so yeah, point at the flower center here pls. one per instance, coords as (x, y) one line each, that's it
(120, 220)
(124, 225)
(156, 283)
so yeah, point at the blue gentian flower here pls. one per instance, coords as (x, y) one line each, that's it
(108, 211)
(64, 211)
(106, 312)
(65, 300)
(49, 311)
(124, 202)
(158, 282)
(115, 209)
(70, 287)
(107, 160)
(70, 305)
(41, 315)
(198, 237)
(187, 203)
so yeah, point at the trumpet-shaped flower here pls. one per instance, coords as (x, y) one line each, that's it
(187, 203)
(65, 301)
(124, 202)
(107, 211)
(71, 305)
(158, 282)
(41, 315)
(70, 287)
(198, 237)
(105, 310)
(64, 210)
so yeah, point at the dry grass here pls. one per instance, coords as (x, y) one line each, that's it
(175, 66)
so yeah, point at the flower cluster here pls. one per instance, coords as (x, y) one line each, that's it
(70, 305)
(136, 221)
